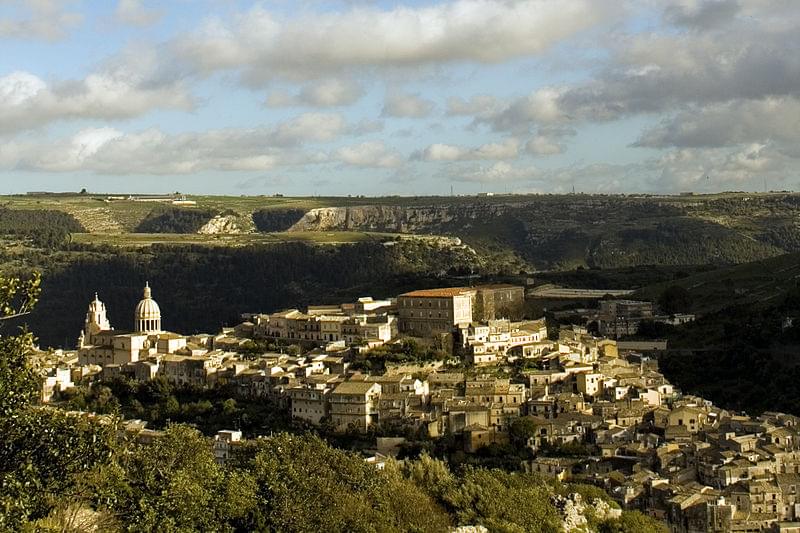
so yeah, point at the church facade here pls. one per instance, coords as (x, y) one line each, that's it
(100, 344)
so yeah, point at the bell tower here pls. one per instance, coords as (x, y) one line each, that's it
(96, 321)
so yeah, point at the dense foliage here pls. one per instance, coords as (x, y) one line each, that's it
(675, 299)
(45, 228)
(161, 403)
(271, 220)
(175, 220)
(407, 351)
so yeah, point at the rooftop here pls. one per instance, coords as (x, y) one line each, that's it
(354, 387)
(498, 286)
(438, 293)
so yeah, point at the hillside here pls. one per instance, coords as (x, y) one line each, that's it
(545, 231)
(758, 284)
(743, 351)
(202, 288)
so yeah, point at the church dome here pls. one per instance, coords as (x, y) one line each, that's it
(148, 314)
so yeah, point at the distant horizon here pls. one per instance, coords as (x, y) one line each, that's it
(473, 195)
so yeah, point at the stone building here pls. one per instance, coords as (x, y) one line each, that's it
(431, 311)
(498, 301)
(356, 404)
(618, 318)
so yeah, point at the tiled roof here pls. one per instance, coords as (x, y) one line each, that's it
(354, 387)
(438, 293)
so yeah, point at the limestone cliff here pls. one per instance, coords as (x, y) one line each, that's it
(221, 224)
(394, 218)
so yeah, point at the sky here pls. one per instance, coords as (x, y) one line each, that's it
(350, 97)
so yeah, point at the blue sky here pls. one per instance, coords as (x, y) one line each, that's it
(367, 97)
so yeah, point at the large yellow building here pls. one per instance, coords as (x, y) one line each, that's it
(431, 311)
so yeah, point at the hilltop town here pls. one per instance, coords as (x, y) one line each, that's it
(583, 407)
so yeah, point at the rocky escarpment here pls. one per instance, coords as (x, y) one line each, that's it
(221, 224)
(589, 231)
(392, 218)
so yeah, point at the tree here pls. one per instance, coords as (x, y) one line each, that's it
(175, 484)
(675, 299)
(43, 451)
(305, 485)
(522, 429)
(17, 380)
(431, 475)
(503, 501)
(43, 454)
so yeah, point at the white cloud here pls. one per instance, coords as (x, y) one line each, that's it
(19, 87)
(333, 92)
(117, 92)
(499, 172)
(407, 106)
(543, 145)
(481, 106)
(316, 127)
(746, 52)
(326, 93)
(106, 151)
(369, 154)
(133, 12)
(507, 149)
(109, 151)
(267, 45)
(38, 19)
(539, 107)
(442, 152)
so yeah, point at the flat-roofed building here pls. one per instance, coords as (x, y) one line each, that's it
(188, 370)
(499, 301)
(355, 404)
(618, 318)
(432, 311)
(309, 403)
